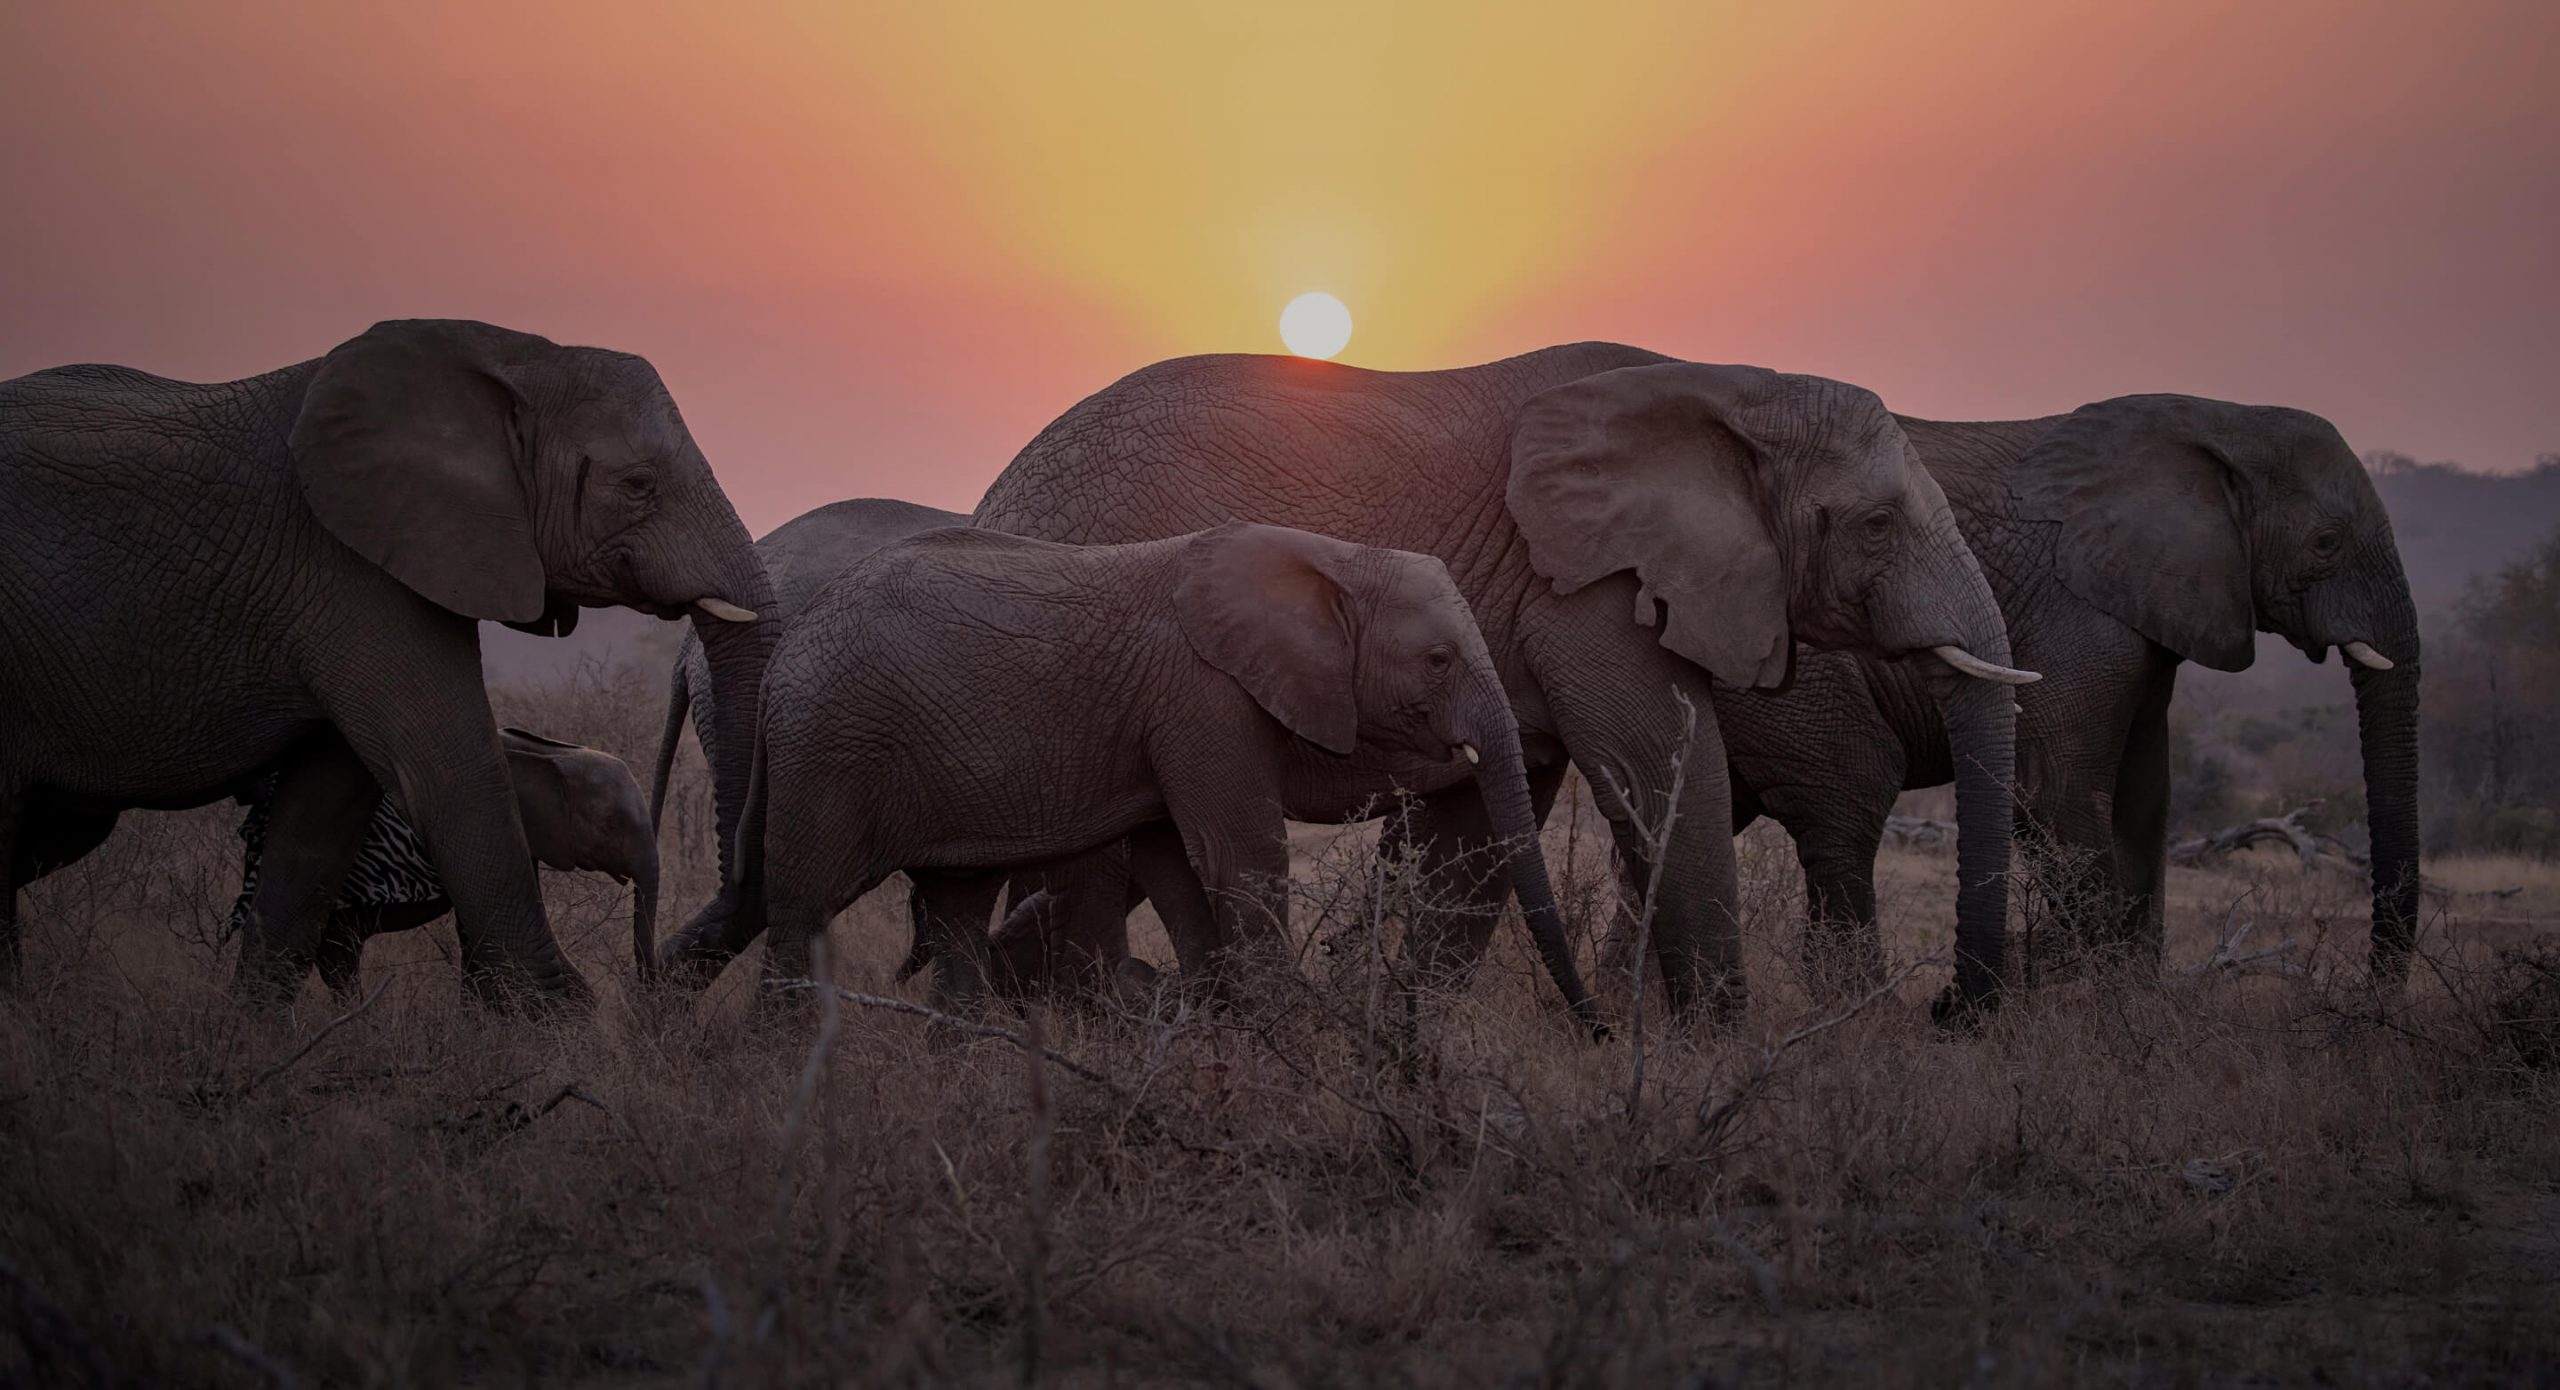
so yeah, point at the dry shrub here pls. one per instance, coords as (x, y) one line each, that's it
(2243, 1170)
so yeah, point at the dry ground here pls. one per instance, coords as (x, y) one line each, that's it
(2229, 1176)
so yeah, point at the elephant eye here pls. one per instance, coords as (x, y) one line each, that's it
(1879, 524)
(1437, 659)
(2327, 543)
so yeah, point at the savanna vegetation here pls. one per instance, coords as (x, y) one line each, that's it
(2249, 1170)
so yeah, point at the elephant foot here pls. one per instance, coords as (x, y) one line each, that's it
(1962, 1011)
(1135, 984)
(536, 993)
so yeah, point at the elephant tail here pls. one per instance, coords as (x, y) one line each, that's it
(679, 701)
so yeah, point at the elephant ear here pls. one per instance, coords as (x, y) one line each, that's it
(1654, 470)
(1261, 603)
(2149, 524)
(409, 449)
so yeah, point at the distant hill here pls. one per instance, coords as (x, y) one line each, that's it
(2453, 523)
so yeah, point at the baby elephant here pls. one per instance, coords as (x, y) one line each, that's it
(581, 809)
(964, 702)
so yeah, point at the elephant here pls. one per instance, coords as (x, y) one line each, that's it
(581, 810)
(210, 583)
(964, 703)
(1628, 529)
(2122, 540)
(800, 557)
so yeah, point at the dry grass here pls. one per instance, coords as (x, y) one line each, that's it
(2221, 1177)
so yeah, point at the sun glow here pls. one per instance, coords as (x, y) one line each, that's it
(1315, 325)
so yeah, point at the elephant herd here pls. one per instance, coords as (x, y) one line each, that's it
(1222, 593)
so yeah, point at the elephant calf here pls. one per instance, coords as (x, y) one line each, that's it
(965, 702)
(581, 809)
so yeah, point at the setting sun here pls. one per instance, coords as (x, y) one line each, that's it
(1315, 325)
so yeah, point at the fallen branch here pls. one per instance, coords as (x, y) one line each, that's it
(1915, 832)
(205, 1091)
(2315, 849)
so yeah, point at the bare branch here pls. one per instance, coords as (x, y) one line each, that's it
(277, 1069)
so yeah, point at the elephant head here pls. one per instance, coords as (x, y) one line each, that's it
(2199, 523)
(1758, 509)
(1347, 645)
(504, 477)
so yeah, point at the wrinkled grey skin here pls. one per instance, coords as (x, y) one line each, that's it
(1626, 528)
(801, 556)
(582, 811)
(2121, 540)
(207, 582)
(964, 702)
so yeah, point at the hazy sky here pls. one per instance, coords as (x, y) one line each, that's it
(874, 248)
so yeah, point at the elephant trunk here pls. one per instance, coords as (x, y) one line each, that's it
(737, 653)
(679, 702)
(1502, 781)
(2387, 727)
(1982, 724)
(1951, 613)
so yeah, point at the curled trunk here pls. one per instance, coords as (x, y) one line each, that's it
(1502, 781)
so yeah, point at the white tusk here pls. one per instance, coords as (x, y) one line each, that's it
(1980, 669)
(724, 610)
(1470, 750)
(2365, 655)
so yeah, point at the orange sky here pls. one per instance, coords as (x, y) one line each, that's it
(874, 248)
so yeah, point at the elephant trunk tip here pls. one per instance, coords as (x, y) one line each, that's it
(1974, 666)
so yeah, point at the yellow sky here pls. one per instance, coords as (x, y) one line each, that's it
(875, 246)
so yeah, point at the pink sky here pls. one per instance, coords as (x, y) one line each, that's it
(874, 252)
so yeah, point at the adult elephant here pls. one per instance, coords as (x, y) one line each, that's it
(801, 556)
(205, 583)
(2121, 540)
(1626, 527)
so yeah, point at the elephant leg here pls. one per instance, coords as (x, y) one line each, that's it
(341, 950)
(1236, 841)
(1628, 871)
(341, 953)
(2069, 839)
(1843, 948)
(2142, 823)
(1089, 936)
(1836, 829)
(1071, 928)
(317, 817)
(957, 906)
(1161, 872)
(1697, 937)
(425, 728)
(1463, 885)
(37, 838)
